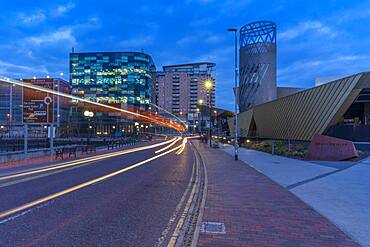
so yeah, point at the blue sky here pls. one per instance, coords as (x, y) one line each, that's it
(316, 39)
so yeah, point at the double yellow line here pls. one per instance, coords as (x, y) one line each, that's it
(81, 161)
(83, 185)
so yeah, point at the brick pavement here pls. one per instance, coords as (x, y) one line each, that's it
(257, 211)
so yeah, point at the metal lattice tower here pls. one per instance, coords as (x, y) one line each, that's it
(257, 64)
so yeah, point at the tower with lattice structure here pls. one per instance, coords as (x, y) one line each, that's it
(257, 73)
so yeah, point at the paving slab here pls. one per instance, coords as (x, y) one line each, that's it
(257, 211)
(342, 195)
(344, 198)
(282, 170)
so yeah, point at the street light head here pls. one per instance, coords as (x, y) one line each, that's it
(91, 114)
(86, 113)
(208, 84)
(232, 30)
(200, 101)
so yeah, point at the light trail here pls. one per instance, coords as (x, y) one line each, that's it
(167, 147)
(80, 186)
(192, 137)
(182, 146)
(81, 161)
(173, 115)
(46, 90)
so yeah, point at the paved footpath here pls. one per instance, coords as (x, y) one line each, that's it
(257, 211)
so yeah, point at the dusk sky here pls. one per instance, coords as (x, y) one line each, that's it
(316, 39)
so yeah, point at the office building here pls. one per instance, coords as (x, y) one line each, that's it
(120, 78)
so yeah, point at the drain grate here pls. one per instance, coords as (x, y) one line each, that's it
(213, 227)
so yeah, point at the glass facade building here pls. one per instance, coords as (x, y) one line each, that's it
(11, 104)
(123, 78)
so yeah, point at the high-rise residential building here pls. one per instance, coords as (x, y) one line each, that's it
(257, 64)
(120, 78)
(180, 88)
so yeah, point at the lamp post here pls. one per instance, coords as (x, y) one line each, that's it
(89, 115)
(234, 30)
(200, 116)
(209, 85)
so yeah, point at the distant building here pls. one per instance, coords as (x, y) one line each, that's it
(257, 74)
(180, 89)
(123, 78)
(11, 102)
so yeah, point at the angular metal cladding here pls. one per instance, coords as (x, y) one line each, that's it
(303, 114)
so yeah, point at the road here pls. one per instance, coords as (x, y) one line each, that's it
(130, 199)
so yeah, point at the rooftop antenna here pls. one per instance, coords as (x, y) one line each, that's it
(73, 49)
(142, 50)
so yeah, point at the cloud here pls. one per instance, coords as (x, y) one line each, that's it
(65, 35)
(138, 42)
(307, 26)
(40, 16)
(63, 9)
(9, 68)
(338, 66)
(31, 19)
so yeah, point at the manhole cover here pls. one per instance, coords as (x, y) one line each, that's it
(213, 227)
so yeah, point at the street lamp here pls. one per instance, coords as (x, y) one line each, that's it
(89, 115)
(234, 30)
(208, 84)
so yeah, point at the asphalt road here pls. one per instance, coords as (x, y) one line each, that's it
(129, 209)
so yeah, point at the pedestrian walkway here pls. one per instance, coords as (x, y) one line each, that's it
(256, 211)
(337, 190)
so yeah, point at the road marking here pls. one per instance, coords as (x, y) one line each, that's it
(181, 221)
(178, 207)
(80, 186)
(81, 161)
(24, 213)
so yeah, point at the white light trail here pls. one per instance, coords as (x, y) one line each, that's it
(46, 90)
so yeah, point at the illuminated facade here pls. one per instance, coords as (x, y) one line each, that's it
(123, 78)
